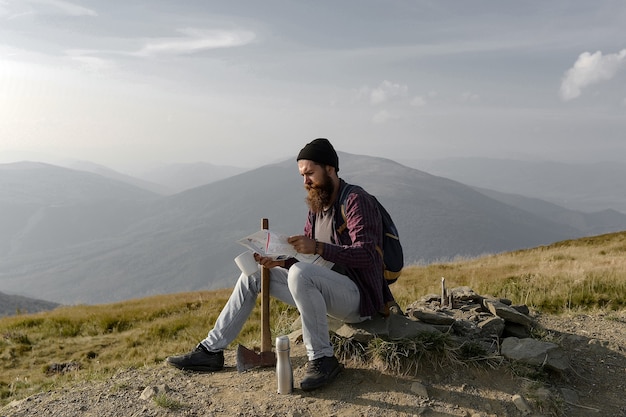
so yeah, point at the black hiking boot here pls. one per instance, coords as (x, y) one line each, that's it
(198, 360)
(320, 372)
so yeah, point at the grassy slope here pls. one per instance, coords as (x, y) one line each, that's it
(586, 274)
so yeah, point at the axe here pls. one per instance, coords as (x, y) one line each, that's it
(247, 358)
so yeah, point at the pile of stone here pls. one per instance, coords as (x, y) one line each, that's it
(467, 314)
(499, 326)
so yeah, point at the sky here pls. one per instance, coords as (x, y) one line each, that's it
(136, 83)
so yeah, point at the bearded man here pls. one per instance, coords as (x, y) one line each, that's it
(353, 290)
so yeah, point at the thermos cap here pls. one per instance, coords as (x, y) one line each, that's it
(282, 343)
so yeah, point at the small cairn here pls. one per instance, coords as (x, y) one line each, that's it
(464, 313)
(492, 322)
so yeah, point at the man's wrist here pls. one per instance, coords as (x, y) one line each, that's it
(319, 247)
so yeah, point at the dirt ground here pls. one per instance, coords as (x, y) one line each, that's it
(595, 386)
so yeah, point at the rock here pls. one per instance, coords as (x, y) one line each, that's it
(506, 301)
(466, 328)
(515, 330)
(334, 324)
(521, 308)
(431, 317)
(535, 352)
(148, 392)
(419, 389)
(472, 308)
(295, 336)
(152, 391)
(464, 294)
(491, 326)
(497, 308)
(521, 404)
(393, 327)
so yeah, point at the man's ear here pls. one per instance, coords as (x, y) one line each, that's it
(330, 170)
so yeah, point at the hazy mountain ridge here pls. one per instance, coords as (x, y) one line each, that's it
(181, 177)
(47, 207)
(585, 187)
(187, 241)
(41, 183)
(115, 175)
(595, 223)
(13, 304)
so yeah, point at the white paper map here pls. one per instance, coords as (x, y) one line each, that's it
(275, 246)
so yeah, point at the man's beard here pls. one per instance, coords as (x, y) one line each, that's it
(318, 197)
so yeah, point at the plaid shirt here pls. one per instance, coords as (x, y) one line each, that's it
(355, 248)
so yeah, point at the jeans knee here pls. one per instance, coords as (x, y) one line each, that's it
(298, 277)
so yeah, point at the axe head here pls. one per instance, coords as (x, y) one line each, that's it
(249, 359)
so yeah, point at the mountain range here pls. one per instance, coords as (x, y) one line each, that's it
(71, 236)
(584, 187)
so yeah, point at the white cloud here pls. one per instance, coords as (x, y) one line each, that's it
(197, 40)
(387, 91)
(591, 69)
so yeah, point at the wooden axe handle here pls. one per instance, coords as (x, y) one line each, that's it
(266, 338)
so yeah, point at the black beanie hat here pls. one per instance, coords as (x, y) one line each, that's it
(321, 151)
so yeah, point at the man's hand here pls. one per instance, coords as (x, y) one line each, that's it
(268, 262)
(302, 244)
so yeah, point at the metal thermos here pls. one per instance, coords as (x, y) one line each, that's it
(284, 372)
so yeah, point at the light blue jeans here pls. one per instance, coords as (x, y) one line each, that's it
(315, 290)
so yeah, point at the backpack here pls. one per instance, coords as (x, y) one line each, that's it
(393, 257)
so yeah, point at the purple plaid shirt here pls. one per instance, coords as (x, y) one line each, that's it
(355, 248)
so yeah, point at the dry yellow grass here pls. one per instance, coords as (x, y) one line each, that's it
(580, 274)
(574, 274)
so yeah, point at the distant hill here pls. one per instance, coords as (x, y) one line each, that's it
(39, 183)
(595, 223)
(106, 172)
(45, 207)
(181, 177)
(110, 247)
(16, 304)
(586, 187)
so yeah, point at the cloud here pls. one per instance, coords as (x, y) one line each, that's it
(387, 91)
(195, 40)
(591, 69)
